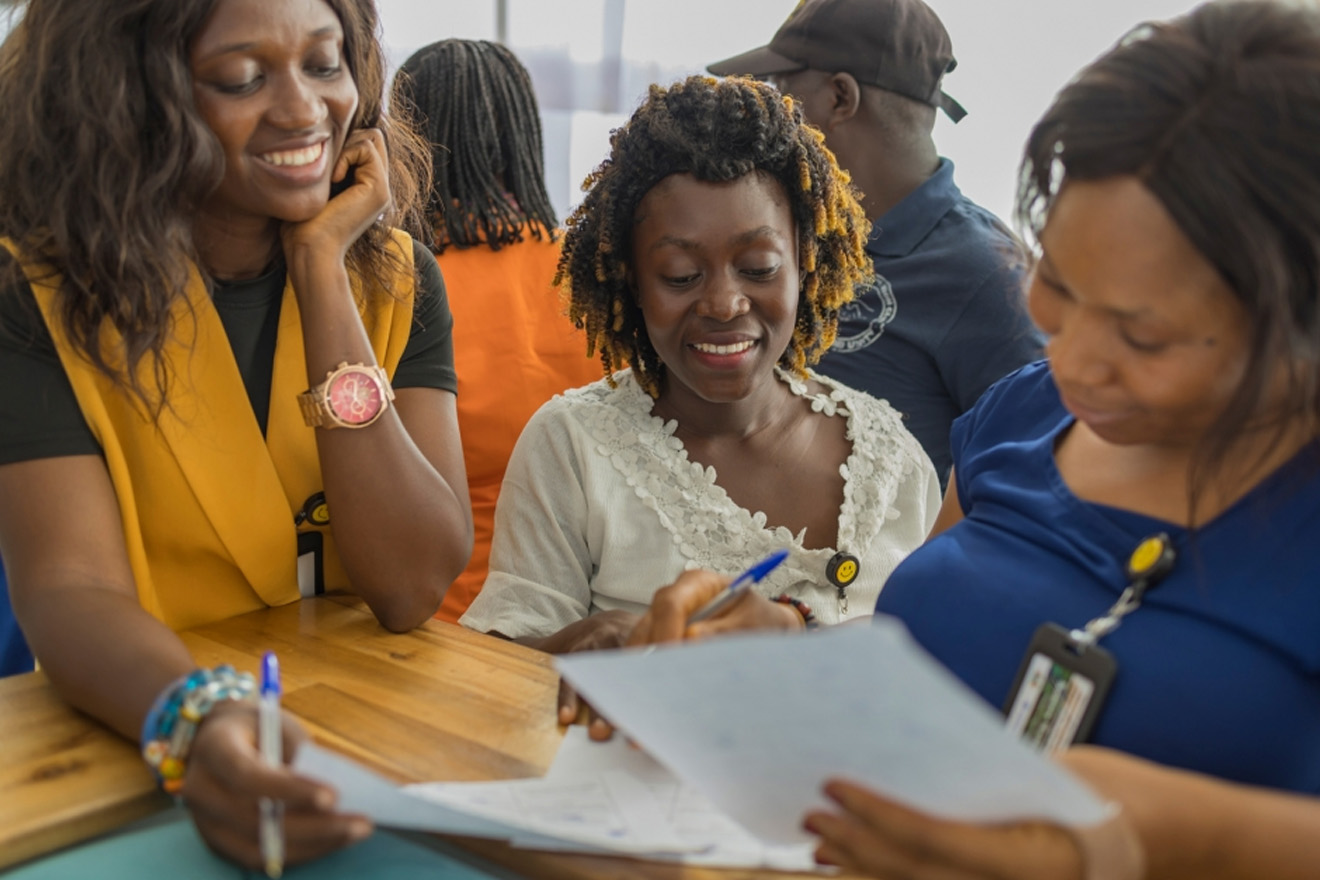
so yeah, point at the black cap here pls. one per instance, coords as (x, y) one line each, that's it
(898, 45)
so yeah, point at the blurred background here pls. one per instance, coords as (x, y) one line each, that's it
(593, 59)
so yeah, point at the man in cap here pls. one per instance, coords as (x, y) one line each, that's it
(946, 316)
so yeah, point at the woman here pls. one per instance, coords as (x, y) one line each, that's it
(496, 244)
(712, 253)
(180, 277)
(1173, 190)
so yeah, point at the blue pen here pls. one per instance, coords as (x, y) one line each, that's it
(741, 583)
(269, 740)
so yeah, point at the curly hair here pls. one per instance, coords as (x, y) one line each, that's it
(474, 102)
(1217, 113)
(717, 131)
(105, 162)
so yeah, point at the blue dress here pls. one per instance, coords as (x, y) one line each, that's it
(1218, 670)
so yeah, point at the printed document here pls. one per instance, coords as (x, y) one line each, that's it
(758, 723)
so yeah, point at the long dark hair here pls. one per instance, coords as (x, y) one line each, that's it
(474, 102)
(715, 130)
(1217, 113)
(104, 163)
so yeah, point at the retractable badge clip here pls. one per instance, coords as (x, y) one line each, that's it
(1065, 676)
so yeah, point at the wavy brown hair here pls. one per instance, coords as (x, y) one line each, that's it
(717, 131)
(104, 162)
(1217, 113)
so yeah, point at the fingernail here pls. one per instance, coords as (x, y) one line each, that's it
(324, 799)
(359, 829)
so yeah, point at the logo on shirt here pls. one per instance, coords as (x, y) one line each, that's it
(862, 321)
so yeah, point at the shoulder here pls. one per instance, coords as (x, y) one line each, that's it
(595, 405)
(1022, 405)
(873, 423)
(980, 245)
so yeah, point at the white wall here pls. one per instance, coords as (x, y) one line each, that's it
(1013, 55)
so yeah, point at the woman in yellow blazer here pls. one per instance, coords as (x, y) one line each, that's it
(230, 379)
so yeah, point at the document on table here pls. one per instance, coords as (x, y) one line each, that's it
(598, 797)
(757, 723)
(721, 842)
(608, 812)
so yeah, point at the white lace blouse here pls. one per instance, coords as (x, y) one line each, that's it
(600, 507)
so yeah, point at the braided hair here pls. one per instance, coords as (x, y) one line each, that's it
(474, 102)
(717, 131)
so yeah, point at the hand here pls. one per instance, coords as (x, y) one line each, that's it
(608, 629)
(877, 837)
(350, 212)
(227, 776)
(672, 606)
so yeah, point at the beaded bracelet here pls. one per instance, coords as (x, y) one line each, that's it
(808, 618)
(169, 728)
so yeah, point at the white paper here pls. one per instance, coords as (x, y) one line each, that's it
(361, 791)
(608, 813)
(721, 842)
(758, 723)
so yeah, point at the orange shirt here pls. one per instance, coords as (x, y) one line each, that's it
(514, 349)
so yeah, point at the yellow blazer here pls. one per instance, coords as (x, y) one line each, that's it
(207, 503)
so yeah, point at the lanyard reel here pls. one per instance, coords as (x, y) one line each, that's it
(841, 571)
(1065, 676)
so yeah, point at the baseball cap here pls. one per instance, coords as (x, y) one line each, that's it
(898, 45)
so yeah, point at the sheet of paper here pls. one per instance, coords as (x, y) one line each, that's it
(361, 791)
(758, 723)
(722, 842)
(604, 811)
(604, 814)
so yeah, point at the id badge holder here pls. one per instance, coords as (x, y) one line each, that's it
(1059, 691)
(311, 561)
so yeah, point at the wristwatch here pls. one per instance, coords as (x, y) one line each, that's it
(352, 396)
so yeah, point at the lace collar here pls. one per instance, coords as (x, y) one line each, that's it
(708, 527)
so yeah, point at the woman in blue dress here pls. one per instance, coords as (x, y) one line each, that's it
(1173, 189)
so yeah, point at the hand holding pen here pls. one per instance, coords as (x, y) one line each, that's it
(702, 603)
(739, 585)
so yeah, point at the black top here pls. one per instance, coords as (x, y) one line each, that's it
(40, 416)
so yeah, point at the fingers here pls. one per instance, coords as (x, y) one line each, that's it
(227, 778)
(307, 836)
(671, 606)
(364, 149)
(568, 703)
(877, 836)
(750, 611)
(600, 730)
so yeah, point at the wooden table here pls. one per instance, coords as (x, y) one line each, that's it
(438, 703)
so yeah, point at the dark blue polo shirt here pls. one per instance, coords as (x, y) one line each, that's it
(946, 317)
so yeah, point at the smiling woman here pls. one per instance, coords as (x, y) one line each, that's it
(220, 329)
(712, 253)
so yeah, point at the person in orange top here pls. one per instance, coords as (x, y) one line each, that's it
(498, 250)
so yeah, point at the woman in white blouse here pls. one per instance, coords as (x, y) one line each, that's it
(712, 253)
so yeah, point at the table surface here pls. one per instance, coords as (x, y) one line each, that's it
(437, 703)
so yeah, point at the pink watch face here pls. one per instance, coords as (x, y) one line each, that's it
(355, 397)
